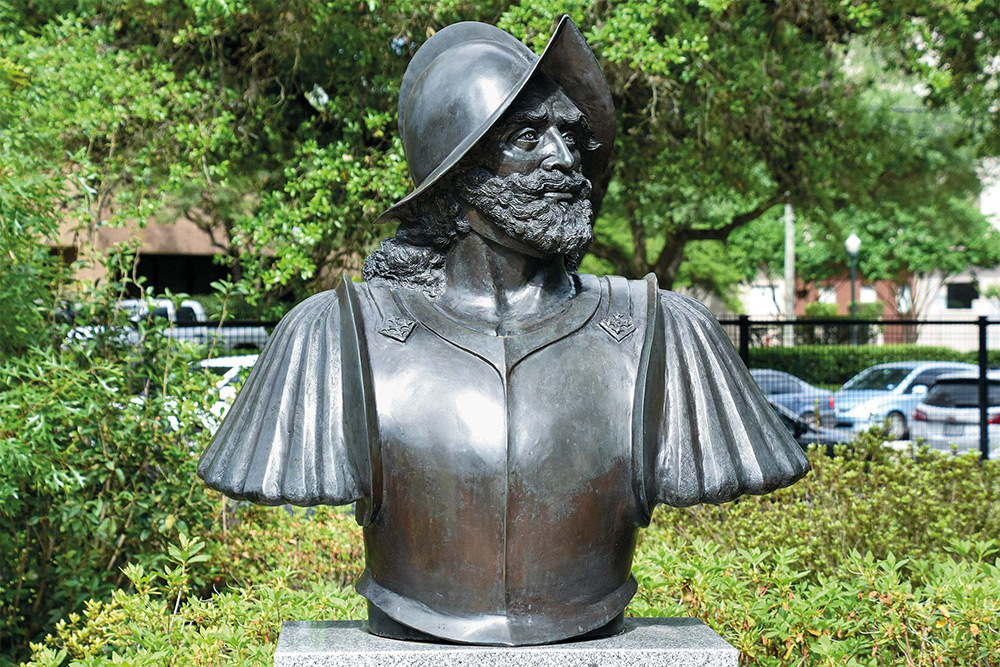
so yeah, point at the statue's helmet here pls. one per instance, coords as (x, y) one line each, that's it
(463, 79)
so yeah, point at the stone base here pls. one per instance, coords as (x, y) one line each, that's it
(650, 642)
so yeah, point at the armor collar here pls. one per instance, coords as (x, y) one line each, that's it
(503, 352)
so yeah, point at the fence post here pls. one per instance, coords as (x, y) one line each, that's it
(745, 339)
(984, 439)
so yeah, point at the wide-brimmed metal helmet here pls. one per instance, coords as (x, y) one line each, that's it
(463, 79)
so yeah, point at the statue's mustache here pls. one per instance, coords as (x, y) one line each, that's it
(542, 181)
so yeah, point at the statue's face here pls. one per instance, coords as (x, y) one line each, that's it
(529, 184)
(541, 132)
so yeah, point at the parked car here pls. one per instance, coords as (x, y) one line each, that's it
(797, 395)
(808, 432)
(888, 393)
(948, 416)
(188, 322)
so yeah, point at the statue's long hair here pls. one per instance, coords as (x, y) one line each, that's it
(428, 227)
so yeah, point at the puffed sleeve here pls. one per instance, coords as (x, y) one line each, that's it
(718, 438)
(291, 437)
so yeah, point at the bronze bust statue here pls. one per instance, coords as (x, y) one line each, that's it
(503, 424)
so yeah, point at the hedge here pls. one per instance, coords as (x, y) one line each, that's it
(835, 364)
(866, 498)
(935, 611)
(875, 558)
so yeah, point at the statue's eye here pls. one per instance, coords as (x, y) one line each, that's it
(569, 137)
(526, 137)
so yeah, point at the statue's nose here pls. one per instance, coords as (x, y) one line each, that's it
(559, 154)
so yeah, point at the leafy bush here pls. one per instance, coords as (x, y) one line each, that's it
(835, 364)
(867, 498)
(94, 476)
(935, 611)
(764, 572)
(862, 334)
(322, 544)
(156, 625)
(831, 311)
(931, 611)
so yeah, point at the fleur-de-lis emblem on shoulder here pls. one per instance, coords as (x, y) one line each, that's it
(619, 325)
(397, 328)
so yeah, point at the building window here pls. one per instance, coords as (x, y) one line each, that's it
(827, 295)
(190, 274)
(961, 295)
(868, 295)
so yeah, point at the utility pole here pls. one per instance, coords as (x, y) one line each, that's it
(853, 246)
(789, 334)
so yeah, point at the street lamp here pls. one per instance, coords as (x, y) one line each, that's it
(853, 246)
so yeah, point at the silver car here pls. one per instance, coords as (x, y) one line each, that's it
(949, 414)
(888, 394)
(810, 404)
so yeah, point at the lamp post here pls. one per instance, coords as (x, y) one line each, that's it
(853, 246)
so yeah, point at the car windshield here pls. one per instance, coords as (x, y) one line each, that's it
(961, 395)
(878, 379)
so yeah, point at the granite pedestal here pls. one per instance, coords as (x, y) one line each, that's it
(652, 642)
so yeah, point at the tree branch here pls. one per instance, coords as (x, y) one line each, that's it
(206, 224)
(722, 233)
(611, 254)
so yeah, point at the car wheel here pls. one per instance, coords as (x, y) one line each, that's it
(896, 425)
(809, 417)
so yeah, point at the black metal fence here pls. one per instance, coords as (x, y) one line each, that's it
(931, 380)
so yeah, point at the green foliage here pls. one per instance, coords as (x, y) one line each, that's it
(320, 544)
(819, 310)
(892, 611)
(833, 571)
(919, 217)
(825, 334)
(267, 124)
(148, 627)
(726, 109)
(93, 475)
(270, 126)
(953, 49)
(830, 311)
(866, 498)
(28, 198)
(835, 364)
(84, 129)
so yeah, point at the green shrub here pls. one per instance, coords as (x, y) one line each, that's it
(93, 476)
(861, 334)
(942, 610)
(784, 577)
(869, 498)
(322, 544)
(937, 611)
(818, 310)
(158, 624)
(835, 364)
(831, 311)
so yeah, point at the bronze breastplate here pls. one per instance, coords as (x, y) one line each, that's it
(508, 513)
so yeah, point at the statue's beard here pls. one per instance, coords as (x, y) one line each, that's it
(558, 224)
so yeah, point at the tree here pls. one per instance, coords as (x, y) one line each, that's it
(727, 109)
(918, 221)
(271, 124)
